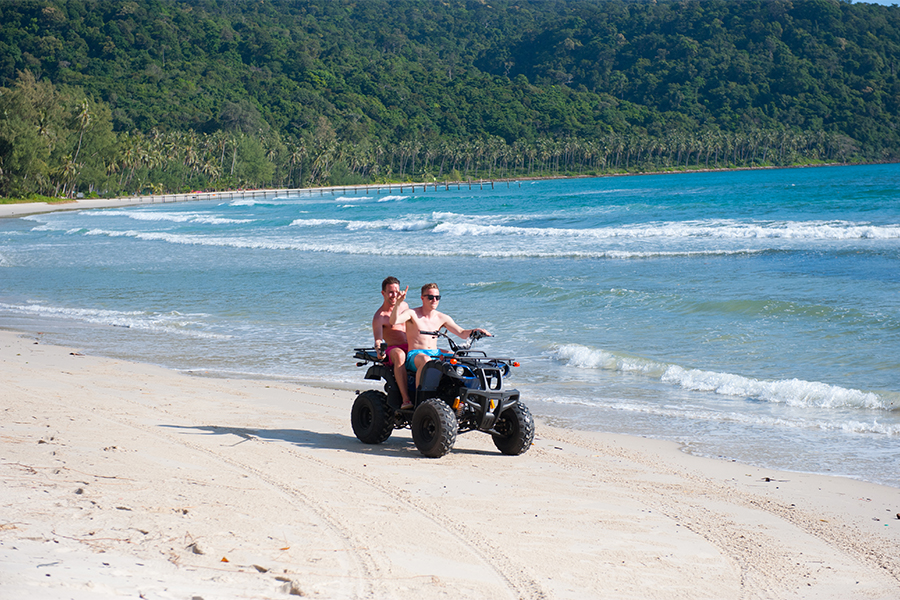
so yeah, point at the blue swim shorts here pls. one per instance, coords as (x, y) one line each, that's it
(411, 355)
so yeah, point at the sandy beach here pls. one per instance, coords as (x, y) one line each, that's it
(127, 480)
(22, 209)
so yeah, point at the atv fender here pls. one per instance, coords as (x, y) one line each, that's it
(376, 372)
(432, 372)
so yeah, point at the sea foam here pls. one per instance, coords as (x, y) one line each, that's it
(172, 322)
(791, 392)
(399, 250)
(814, 230)
(175, 217)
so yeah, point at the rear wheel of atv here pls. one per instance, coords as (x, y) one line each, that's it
(370, 417)
(515, 430)
(434, 428)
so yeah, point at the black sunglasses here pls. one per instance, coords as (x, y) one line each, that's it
(432, 296)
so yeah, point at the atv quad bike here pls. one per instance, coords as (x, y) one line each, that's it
(460, 391)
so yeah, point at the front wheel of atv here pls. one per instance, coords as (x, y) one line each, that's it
(434, 428)
(514, 430)
(370, 417)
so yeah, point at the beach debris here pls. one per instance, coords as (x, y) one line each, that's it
(898, 516)
(290, 586)
(224, 559)
(195, 548)
(260, 569)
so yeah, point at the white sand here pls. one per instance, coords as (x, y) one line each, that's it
(30, 208)
(123, 480)
(22, 209)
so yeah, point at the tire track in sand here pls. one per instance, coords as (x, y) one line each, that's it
(520, 584)
(365, 568)
(512, 575)
(766, 564)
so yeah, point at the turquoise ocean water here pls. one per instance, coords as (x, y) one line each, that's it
(750, 315)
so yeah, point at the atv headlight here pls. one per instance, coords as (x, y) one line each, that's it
(461, 371)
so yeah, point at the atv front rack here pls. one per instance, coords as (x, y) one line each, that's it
(366, 355)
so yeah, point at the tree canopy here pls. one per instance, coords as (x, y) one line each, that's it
(285, 92)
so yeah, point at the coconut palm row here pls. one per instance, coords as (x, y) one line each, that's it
(172, 162)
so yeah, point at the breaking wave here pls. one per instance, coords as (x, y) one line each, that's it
(363, 249)
(813, 230)
(791, 392)
(174, 217)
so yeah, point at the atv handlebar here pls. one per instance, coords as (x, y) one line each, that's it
(476, 335)
(367, 355)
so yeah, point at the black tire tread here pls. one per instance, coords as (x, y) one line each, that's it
(434, 428)
(371, 417)
(520, 423)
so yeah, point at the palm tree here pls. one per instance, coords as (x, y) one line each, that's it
(211, 170)
(84, 119)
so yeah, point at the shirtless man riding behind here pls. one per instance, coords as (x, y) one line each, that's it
(422, 347)
(392, 335)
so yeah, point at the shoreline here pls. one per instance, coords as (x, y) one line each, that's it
(361, 384)
(23, 209)
(122, 478)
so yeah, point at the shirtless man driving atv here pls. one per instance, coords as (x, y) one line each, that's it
(423, 347)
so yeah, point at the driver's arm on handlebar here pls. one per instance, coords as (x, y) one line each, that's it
(452, 327)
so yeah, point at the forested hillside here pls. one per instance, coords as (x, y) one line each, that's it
(169, 95)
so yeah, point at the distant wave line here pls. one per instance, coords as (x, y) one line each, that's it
(717, 230)
(175, 217)
(474, 225)
(356, 249)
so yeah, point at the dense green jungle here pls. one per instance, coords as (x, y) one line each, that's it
(105, 97)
